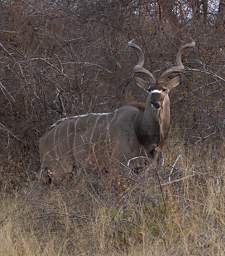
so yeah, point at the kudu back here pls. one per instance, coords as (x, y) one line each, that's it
(128, 132)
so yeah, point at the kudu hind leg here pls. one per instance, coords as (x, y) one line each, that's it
(45, 176)
(55, 175)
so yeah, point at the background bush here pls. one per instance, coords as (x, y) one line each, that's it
(80, 48)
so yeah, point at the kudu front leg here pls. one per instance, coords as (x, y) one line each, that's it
(159, 158)
(157, 155)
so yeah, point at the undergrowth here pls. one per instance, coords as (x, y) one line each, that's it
(186, 217)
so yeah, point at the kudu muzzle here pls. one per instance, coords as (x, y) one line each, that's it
(156, 100)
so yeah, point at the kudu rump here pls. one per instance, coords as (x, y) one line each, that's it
(128, 132)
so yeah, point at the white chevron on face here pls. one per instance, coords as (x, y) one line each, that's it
(156, 91)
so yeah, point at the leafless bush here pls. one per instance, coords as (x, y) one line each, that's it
(79, 48)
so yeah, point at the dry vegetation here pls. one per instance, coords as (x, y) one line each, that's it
(79, 48)
(90, 218)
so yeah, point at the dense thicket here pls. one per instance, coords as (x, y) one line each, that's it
(80, 49)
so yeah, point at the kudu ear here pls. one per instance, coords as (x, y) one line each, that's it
(144, 84)
(173, 82)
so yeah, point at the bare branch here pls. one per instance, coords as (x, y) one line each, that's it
(51, 65)
(5, 50)
(206, 72)
(205, 137)
(6, 93)
(6, 129)
(178, 180)
(87, 64)
(173, 166)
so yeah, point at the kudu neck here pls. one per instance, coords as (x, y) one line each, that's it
(151, 117)
(154, 125)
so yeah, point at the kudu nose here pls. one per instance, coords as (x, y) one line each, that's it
(156, 105)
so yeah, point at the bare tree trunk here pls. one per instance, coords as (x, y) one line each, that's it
(167, 14)
(220, 22)
(196, 8)
(205, 10)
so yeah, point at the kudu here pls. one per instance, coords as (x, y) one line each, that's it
(128, 131)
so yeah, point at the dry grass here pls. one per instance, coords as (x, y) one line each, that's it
(72, 46)
(88, 218)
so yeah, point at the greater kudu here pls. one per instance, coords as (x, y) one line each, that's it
(127, 132)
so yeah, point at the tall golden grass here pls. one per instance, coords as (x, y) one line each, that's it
(89, 218)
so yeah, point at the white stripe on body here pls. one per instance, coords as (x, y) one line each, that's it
(74, 140)
(108, 137)
(67, 134)
(56, 148)
(78, 116)
(55, 145)
(94, 128)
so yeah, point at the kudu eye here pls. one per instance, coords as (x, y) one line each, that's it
(164, 89)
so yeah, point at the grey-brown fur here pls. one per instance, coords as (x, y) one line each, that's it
(96, 138)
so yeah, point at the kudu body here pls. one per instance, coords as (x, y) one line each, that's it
(128, 132)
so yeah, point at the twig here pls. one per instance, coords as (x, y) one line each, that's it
(60, 63)
(5, 50)
(161, 189)
(6, 93)
(62, 110)
(88, 64)
(6, 129)
(206, 72)
(73, 40)
(177, 180)
(51, 65)
(173, 166)
(135, 158)
(205, 137)
(9, 31)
